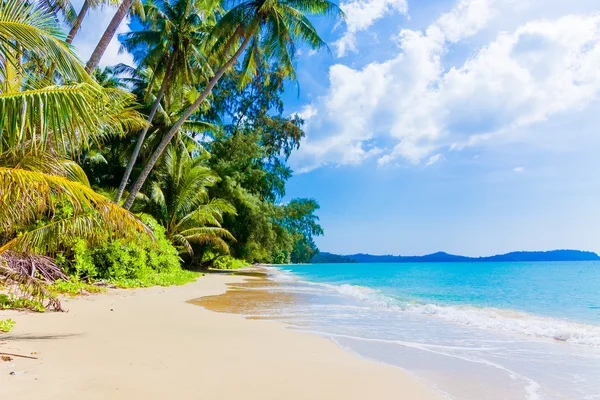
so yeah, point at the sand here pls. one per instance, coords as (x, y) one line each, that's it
(153, 344)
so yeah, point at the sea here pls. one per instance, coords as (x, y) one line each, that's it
(472, 331)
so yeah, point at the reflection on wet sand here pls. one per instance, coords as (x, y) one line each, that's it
(251, 298)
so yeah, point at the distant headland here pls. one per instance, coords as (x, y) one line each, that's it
(553, 255)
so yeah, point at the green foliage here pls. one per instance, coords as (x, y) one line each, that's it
(228, 262)
(167, 278)
(179, 200)
(119, 259)
(83, 265)
(249, 154)
(6, 325)
(74, 287)
(20, 303)
(62, 129)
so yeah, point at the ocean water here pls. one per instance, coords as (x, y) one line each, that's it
(474, 331)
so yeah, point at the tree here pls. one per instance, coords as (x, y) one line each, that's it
(86, 6)
(43, 125)
(179, 200)
(267, 29)
(300, 219)
(173, 38)
(110, 31)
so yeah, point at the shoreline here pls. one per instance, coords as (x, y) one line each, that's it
(153, 343)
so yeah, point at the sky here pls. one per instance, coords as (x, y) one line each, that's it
(465, 126)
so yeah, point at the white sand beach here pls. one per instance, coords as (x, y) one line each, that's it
(153, 344)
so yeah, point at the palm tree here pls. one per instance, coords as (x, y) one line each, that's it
(87, 5)
(110, 31)
(173, 38)
(61, 7)
(265, 28)
(179, 200)
(42, 125)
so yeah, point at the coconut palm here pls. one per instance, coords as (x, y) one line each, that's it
(175, 31)
(85, 7)
(43, 124)
(125, 7)
(262, 29)
(179, 200)
(64, 8)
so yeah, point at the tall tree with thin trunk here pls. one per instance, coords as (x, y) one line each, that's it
(110, 31)
(266, 28)
(174, 34)
(77, 24)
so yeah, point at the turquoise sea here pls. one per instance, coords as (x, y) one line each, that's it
(474, 331)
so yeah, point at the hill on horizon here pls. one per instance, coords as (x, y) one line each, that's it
(552, 255)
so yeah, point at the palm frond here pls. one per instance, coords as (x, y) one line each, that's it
(28, 194)
(27, 26)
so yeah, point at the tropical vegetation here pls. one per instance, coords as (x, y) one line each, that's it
(141, 174)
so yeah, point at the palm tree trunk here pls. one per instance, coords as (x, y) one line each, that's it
(163, 144)
(108, 35)
(140, 141)
(78, 21)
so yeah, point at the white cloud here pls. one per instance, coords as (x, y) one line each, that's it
(537, 71)
(360, 15)
(94, 25)
(519, 169)
(466, 19)
(433, 159)
(308, 111)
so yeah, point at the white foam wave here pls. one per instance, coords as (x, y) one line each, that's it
(495, 319)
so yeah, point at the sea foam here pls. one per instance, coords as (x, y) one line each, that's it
(495, 319)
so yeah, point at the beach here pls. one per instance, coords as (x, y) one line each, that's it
(153, 343)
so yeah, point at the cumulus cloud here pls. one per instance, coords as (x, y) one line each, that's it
(519, 169)
(541, 69)
(307, 112)
(360, 15)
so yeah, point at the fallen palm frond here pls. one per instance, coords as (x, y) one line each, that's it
(33, 265)
(27, 286)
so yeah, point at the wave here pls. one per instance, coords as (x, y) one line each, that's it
(495, 319)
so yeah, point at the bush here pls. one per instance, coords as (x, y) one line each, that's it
(228, 262)
(119, 259)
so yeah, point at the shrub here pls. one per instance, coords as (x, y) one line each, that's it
(119, 259)
(228, 262)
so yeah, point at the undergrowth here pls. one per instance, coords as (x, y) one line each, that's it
(176, 277)
(20, 303)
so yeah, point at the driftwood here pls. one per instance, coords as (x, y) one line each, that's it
(18, 355)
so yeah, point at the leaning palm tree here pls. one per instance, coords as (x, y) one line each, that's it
(172, 39)
(126, 7)
(260, 28)
(179, 200)
(85, 7)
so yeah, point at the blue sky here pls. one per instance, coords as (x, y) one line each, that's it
(468, 126)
